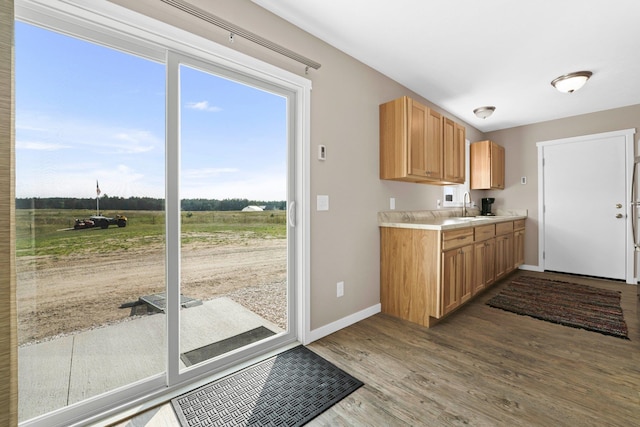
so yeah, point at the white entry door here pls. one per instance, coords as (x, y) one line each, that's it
(586, 205)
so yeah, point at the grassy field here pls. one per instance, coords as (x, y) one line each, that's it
(50, 231)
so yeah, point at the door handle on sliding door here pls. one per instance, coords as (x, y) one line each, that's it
(291, 213)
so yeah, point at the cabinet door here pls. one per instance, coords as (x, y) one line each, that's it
(457, 277)
(454, 153)
(483, 265)
(487, 165)
(504, 255)
(465, 282)
(480, 160)
(433, 146)
(509, 254)
(497, 166)
(478, 267)
(459, 153)
(489, 262)
(451, 271)
(417, 136)
(518, 248)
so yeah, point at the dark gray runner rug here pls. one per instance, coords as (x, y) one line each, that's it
(221, 347)
(569, 304)
(289, 389)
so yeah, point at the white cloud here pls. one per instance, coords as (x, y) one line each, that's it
(203, 106)
(80, 181)
(254, 186)
(135, 141)
(40, 146)
(207, 172)
(90, 136)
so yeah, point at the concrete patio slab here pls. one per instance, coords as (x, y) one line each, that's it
(66, 370)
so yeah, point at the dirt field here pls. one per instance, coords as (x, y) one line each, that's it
(62, 295)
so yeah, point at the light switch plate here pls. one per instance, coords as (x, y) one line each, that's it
(322, 152)
(322, 203)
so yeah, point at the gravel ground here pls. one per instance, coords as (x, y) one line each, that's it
(268, 301)
(59, 296)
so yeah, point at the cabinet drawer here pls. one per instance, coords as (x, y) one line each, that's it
(504, 228)
(455, 238)
(484, 232)
(518, 224)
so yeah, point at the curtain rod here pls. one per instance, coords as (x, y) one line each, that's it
(235, 30)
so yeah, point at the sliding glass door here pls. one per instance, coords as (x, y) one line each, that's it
(157, 236)
(234, 156)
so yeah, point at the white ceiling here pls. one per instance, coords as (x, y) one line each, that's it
(463, 54)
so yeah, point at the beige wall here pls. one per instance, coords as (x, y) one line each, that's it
(344, 117)
(522, 159)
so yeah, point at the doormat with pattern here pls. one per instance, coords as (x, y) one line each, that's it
(565, 303)
(221, 347)
(289, 389)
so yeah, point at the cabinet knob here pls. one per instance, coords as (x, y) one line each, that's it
(619, 215)
(618, 206)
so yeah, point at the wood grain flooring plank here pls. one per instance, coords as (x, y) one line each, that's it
(487, 367)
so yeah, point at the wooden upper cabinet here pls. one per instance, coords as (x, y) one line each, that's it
(454, 139)
(412, 146)
(497, 166)
(487, 166)
(410, 141)
(417, 125)
(434, 146)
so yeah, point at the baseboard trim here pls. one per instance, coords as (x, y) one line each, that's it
(531, 268)
(332, 327)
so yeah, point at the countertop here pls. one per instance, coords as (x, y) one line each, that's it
(445, 219)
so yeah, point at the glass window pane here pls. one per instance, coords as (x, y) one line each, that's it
(233, 190)
(90, 222)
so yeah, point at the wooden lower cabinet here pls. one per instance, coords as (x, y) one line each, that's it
(518, 243)
(504, 255)
(427, 274)
(484, 265)
(457, 277)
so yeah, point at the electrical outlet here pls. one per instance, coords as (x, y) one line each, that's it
(392, 203)
(340, 289)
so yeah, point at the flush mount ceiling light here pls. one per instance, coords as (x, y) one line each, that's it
(484, 112)
(571, 82)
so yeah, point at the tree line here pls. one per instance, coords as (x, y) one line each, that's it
(144, 204)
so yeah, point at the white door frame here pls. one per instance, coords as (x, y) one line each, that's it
(629, 158)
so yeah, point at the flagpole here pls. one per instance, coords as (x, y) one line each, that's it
(97, 198)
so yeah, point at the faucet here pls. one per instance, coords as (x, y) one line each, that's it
(465, 197)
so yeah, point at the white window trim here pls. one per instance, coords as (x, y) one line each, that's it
(123, 29)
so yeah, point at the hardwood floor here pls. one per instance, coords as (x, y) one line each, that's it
(481, 367)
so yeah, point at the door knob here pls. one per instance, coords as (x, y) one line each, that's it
(619, 216)
(618, 206)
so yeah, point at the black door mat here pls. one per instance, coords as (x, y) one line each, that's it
(289, 389)
(221, 347)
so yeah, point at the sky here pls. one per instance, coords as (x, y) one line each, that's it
(87, 114)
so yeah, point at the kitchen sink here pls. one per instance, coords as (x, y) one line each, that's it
(470, 218)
